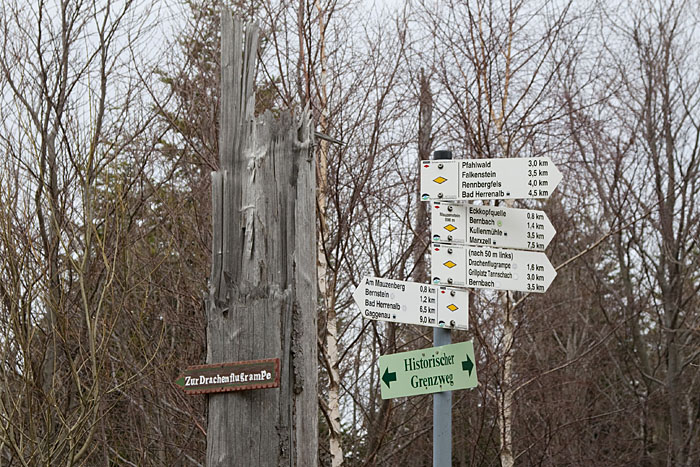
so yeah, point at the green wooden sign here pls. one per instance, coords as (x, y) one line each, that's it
(436, 369)
(236, 376)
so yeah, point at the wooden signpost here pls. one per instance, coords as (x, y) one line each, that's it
(261, 301)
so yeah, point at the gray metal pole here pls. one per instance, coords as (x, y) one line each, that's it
(442, 401)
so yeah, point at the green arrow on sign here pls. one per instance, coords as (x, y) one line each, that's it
(468, 365)
(388, 377)
(427, 371)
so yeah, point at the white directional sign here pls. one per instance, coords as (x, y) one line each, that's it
(491, 268)
(524, 229)
(504, 178)
(412, 303)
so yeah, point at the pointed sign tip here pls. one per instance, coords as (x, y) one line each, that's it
(359, 294)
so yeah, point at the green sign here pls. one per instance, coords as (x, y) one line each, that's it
(436, 369)
(235, 376)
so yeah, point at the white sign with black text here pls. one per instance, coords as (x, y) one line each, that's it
(504, 178)
(491, 268)
(523, 229)
(412, 303)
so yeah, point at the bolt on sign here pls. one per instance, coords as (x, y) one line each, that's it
(236, 376)
(503, 178)
(523, 229)
(436, 369)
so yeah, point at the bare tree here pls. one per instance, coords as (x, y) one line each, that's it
(647, 148)
(71, 121)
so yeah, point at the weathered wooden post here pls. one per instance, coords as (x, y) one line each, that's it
(262, 291)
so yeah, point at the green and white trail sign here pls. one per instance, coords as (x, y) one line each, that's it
(425, 371)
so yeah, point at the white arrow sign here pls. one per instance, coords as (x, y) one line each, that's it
(491, 268)
(524, 229)
(412, 303)
(504, 178)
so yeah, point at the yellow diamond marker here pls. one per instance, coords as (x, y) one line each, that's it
(440, 180)
(452, 307)
(450, 227)
(450, 264)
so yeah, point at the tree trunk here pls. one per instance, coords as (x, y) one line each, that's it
(505, 414)
(262, 296)
(425, 128)
(327, 284)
